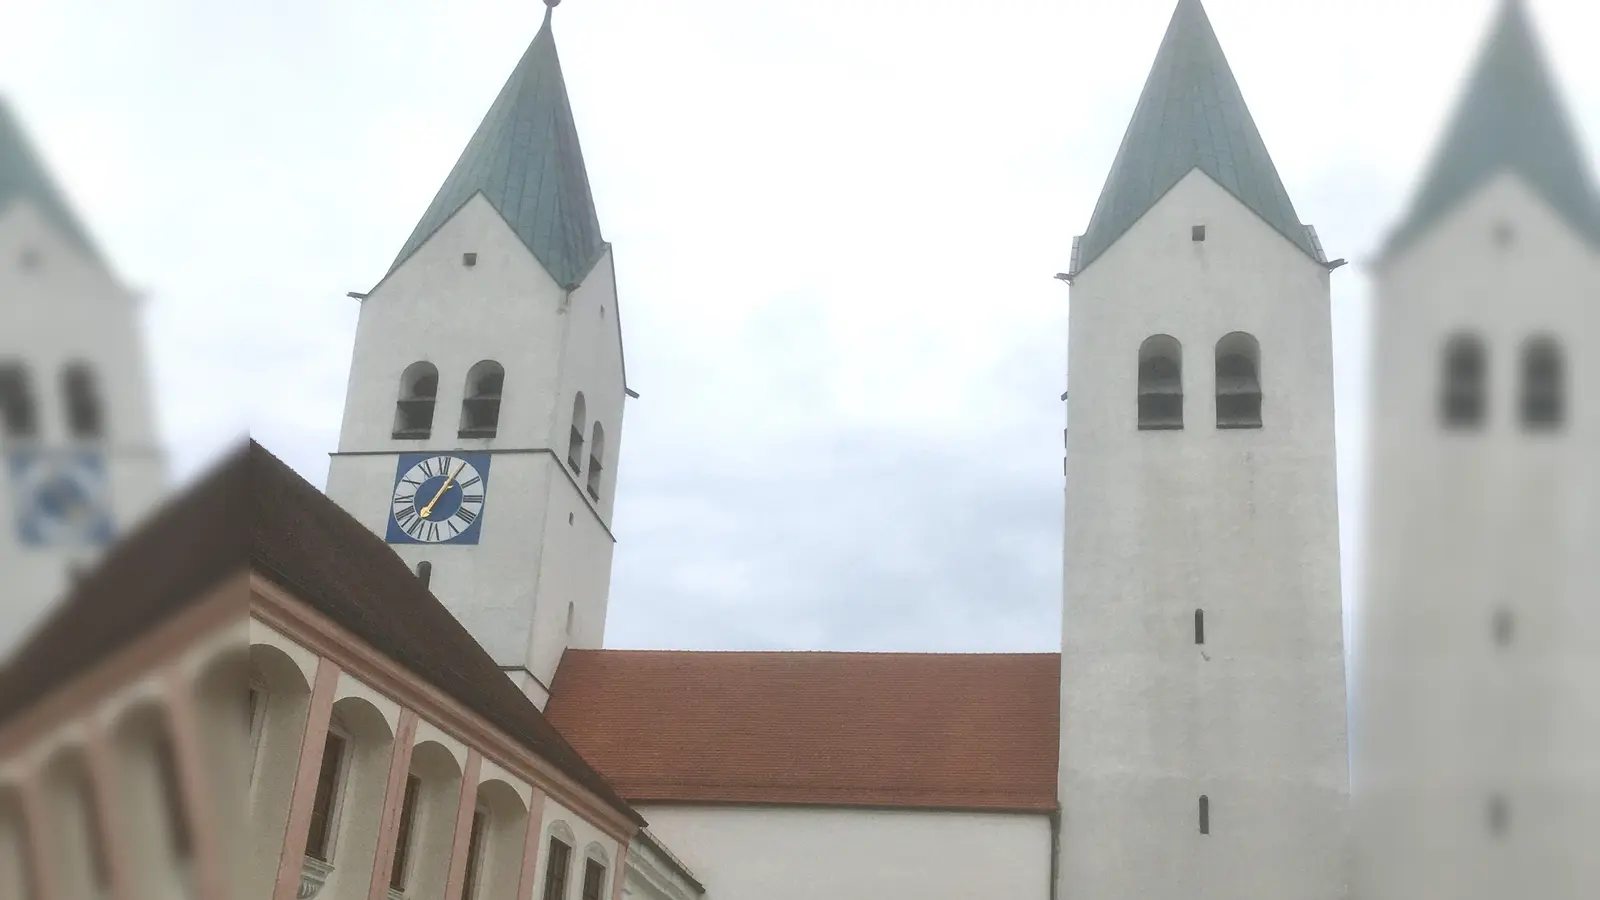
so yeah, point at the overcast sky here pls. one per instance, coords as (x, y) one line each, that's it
(835, 225)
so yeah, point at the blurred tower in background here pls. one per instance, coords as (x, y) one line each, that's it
(1478, 698)
(79, 459)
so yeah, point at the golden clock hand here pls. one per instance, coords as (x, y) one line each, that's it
(448, 478)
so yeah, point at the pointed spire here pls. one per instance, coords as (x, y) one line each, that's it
(525, 160)
(1509, 117)
(24, 177)
(1191, 115)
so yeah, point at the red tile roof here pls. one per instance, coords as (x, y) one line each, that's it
(910, 730)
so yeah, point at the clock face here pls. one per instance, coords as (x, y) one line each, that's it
(61, 499)
(438, 498)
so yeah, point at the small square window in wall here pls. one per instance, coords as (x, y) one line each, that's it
(1197, 233)
(469, 259)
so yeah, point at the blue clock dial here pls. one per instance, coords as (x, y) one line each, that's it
(61, 499)
(438, 499)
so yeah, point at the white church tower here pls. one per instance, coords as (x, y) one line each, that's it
(1203, 748)
(485, 398)
(1478, 659)
(79, 454)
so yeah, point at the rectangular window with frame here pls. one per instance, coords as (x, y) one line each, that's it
(556, 867)
(594, 879)
(319, 837)
(402, 847)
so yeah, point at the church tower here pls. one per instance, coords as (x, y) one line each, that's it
(79, 454)
(1203, 747)
(1478, 659)
(485, 399)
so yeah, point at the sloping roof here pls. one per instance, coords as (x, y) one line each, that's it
(1510, 117)
(906, 730)
(23, 176)
(191, 545)
(254, 510)
(1190, 115)
(525, 160)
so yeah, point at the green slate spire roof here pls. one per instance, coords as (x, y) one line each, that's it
(1510, 117)
(1191, 115)
(24, 177)
(525, 160)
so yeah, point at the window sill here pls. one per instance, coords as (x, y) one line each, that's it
(1160, 426)
(1237, 426)
(477, 432)
(594, 494)
(411, 435)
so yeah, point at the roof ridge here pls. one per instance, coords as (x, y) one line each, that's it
(1190, 115)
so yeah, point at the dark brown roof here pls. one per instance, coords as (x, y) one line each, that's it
(913, 730)
(255, 508)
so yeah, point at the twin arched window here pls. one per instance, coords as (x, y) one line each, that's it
(1464, 394)
(419, 395)
(19, 412)
(597, 447)
(1238, 367)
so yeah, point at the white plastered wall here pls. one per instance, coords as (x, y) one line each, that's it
(780, 853)
(1242, 524)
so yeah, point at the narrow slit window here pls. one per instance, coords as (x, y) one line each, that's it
(425, 573)
(1238, 382)
(1463, 396)
(480, 406)
(1160, 384)
(1543, 386)
(1504, 627)
(1205, 814)
(1199, 626)
(1499, 815)
(419, 391)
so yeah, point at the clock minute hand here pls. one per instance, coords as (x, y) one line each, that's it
(448, 478)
